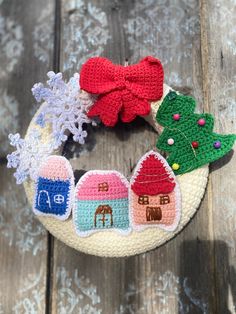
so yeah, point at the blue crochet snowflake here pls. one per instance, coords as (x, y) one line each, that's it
(65, 107)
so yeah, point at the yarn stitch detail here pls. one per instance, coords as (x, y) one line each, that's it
(187, 130)
(98, 210)
(155, 210)
(28, 155)
(65, 107)
(153, 177)
(54, 188)
(123, 90)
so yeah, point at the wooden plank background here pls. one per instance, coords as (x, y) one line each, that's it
(193, 273)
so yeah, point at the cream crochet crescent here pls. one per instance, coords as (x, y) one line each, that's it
(109, 243)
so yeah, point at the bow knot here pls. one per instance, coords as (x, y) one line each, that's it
(122, 90)
(119, 76)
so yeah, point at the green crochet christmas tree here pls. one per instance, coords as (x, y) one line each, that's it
(188, 137)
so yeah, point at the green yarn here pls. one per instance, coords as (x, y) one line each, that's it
(187, 130)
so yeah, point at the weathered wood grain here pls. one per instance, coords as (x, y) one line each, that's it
(218, 47)
(23, 251)
(26, 54)
(193, 273)
(26, 44)
(163, 280)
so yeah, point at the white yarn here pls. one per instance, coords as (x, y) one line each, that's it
(109, 243)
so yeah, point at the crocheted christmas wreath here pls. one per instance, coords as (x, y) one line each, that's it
(105, 209)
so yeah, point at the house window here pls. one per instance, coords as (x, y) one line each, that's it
(153, 213)
(143, 200)
(58, 199)
(103, 187)
(43, 198)
(164, 199)
(104, 214)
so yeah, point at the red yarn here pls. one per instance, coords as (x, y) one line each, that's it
(152, 178)
(124, 90)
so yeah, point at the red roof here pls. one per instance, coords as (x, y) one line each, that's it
(153, 177)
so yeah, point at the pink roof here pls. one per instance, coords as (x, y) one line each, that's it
(56, 168)
(88, 186)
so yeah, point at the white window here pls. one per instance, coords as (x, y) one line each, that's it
(58, 199)
(42, 199)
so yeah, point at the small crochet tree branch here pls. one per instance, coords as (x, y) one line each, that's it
(188, 137)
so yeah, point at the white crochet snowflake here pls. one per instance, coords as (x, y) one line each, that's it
(65, 107)
(28, 156)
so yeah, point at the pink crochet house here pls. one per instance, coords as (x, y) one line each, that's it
(101, 202)
(154, 194)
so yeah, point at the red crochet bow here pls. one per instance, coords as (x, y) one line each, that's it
(122, 89)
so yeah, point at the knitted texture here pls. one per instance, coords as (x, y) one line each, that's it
(151, 118)
(64, 107)
(109, 242)
(155, 211)
(187, 136)
(28, 155)
(152, 177)
(154, 194)
(101, 202)
(54, 188)
(124, 90)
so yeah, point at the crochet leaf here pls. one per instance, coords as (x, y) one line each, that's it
(186, 131)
